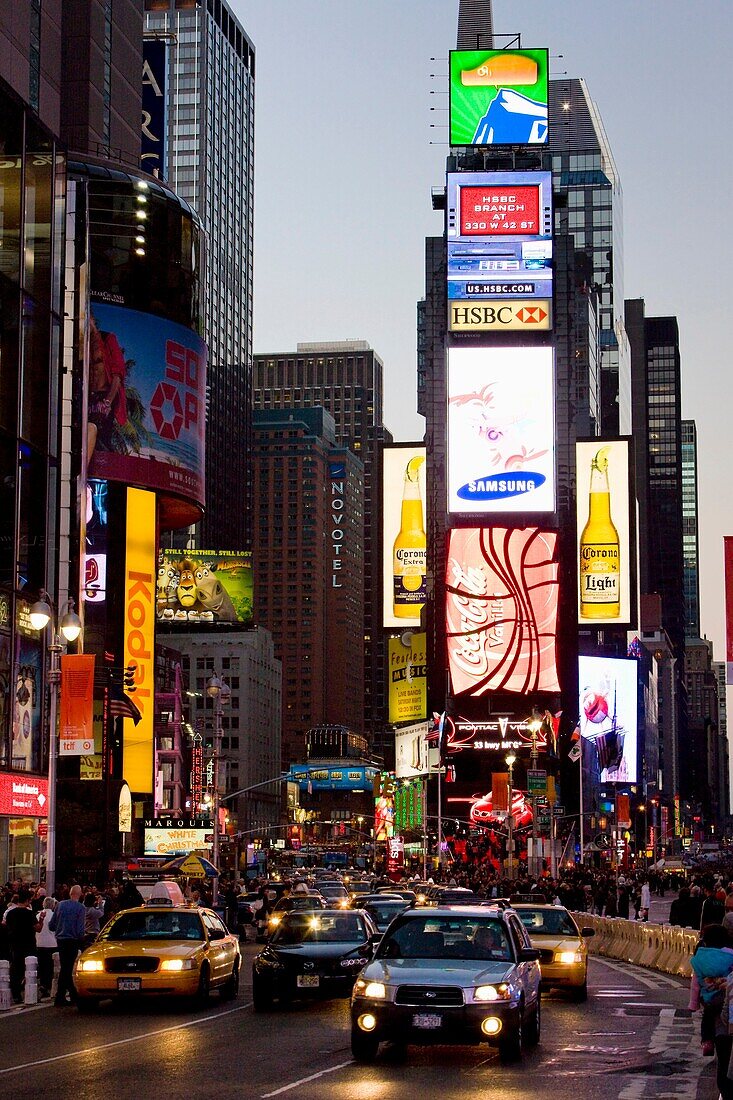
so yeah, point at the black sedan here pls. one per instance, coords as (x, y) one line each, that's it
(313, 954)
(384, 910)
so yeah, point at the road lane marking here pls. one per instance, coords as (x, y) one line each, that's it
(124, 1042)
(660, 979)
(305, 1080)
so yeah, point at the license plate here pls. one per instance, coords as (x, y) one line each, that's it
(427, 1022)
(129, 985)
(308, 981)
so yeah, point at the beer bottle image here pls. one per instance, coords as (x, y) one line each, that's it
(409, 555)
(600, 559)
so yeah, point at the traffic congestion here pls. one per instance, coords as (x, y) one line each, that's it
(412, 971)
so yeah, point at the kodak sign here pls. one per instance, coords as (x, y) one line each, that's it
(139, 627)
(525, 314)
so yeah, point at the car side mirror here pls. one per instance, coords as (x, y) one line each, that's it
(528, 954)
(216, 934)
(587, 932)
(375, 940)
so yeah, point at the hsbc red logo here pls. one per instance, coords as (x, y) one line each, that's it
(532, 315)
(176, 404)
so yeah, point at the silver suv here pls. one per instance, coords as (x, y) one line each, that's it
(454, 974)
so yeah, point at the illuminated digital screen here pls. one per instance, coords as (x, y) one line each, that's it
(501, 610)
(501, 430)
(498, 97)
(609, 716)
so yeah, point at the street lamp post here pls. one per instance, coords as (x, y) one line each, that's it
(510, 762)
(219, 692)
(41, 615)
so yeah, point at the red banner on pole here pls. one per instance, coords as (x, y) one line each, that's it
(500, 790)
(76, 704)
(728, 557)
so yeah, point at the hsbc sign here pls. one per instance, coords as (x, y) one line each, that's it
(512, 316)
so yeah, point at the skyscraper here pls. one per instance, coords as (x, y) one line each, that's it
(657, 430)
(583, 168)
(309, 568)
(346, 379)
(690, 544)
(211, 81)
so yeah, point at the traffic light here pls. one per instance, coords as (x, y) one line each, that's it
(377, 785)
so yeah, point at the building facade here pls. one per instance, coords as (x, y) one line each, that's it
(210, 156)
(346, 378)
(250, 721)
(309, 568)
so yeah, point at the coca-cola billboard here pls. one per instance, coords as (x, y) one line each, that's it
(501, 610)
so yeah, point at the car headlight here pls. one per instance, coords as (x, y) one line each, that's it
(568, 957)
(88, 966)
(275, 919)
(376, 990)
(491, 993)
(178, 964)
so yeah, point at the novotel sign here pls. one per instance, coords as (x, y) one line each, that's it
(338, 480)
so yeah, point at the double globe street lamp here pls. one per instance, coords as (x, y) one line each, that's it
(42, 615)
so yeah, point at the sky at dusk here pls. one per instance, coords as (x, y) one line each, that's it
(351, 135)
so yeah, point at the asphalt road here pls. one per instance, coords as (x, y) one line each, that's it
(633, 1039)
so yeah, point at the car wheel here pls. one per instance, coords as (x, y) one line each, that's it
(87, 1004)
(510, 1049)
(580, 993)
(202, 994)
(230, 989)
(261, 996)
(532, 1032)
(363, 1047)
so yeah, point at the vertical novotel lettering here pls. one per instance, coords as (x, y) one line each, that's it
(337, 531)
(139, 625)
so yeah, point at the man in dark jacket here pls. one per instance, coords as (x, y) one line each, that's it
(21, 926)
(713, 909)
(681, 910)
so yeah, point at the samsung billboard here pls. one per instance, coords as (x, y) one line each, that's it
(609, 715)
(501, 430)
(498, 97)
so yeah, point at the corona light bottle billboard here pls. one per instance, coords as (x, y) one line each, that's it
(600, 554)
(410, 548)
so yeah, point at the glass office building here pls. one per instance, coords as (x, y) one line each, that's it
(210, 155)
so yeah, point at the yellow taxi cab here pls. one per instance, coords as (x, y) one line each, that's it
(162, 949)
(561, 944)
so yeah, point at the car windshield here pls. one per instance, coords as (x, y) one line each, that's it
(316, 928)
(298, 901)
(548, 922)
(155, 926)
(383, 912)
(444, 937)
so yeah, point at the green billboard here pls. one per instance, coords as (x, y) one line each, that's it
(498, 97)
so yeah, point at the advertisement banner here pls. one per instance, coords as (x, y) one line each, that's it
(498, 97)
(500, 790)
(605, 547)
(501, 610)
(404, 541)
(154, 137)
(26, 750)
(175, 842)
(204, 586)
(465, 315)
(413, 754)
(333, 777)
(728, 558)
(76, 705)
(94, 586)
(139, 639)
(623, 811)
(408, 694)
(147, 401)
(501, 430)
(608, 715)
(499, 242)
(383, 817)
(23, 795)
